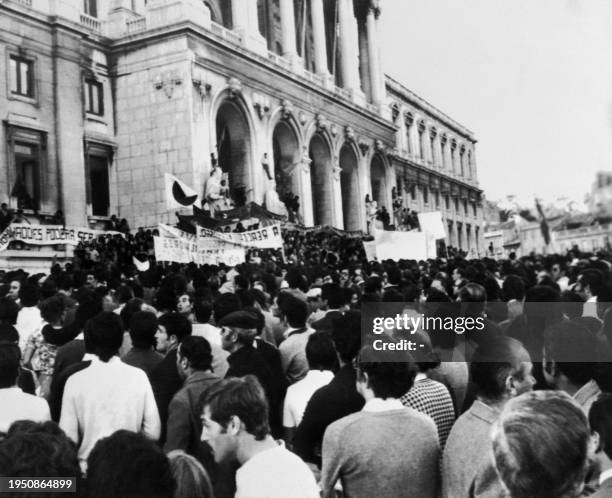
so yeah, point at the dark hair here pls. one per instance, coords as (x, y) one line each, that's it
(197, 351)
(346, 334)
(295, 311)
(600, 421)
(29, 295)
(143, 326)
(594, 279)
(540, 445)
(389, 379)
(38, 449)
(320, 352)
(334, 295)
(127, 464)
(9, 364)
(224, 305)
(513, 288)
(8, 310)
(203, 310)
(124, 294)
(176, 324)
(572, 304)
(104, 335)
(473, 298)
(493, 362)
(134, 305)
(8, 333)
(51, 309)
(574, 350)
(241, 397)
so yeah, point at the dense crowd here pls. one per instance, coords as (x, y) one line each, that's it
(254, 381)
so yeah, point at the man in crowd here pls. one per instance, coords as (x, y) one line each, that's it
(202, 328)
(337, 399)
(29, 320)
(402, 441)
(14, 403)
(600, 422)
(143, 327)
(235, 425)
(589, 285)
(293, 348)
(165, 378)
(333, 304)
(501, 369)
(108, 395)
(569, 359)
(540, 443)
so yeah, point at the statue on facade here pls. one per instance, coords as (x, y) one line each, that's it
(215, 192)
(272, 202)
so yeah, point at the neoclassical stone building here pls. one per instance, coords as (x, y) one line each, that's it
(102, 97)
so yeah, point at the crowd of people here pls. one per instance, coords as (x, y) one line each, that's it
(256, 381)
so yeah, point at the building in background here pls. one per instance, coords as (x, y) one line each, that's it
(100, 98)
(599, 201)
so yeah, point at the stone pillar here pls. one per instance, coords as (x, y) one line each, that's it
(287, 19)
(246, 24)
(376, 79)
(336, 192)
(349, 66)
(306, 207)
(318, 31)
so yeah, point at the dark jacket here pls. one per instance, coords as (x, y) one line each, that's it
(325, 324)
(337, 399)
(165, 381)
(145, 359)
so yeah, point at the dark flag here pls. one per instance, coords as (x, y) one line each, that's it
(543, 223)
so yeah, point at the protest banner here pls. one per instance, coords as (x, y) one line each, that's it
(45, 235)
(269, 237)
(432, 223)
(400, 245)
(181, 250)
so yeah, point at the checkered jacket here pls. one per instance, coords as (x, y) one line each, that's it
(432, 398)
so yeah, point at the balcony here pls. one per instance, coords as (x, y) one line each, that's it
(279, 61)
(136, 25)
(226, 34)
(91, 23)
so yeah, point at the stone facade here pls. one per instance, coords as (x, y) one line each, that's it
(126, 92)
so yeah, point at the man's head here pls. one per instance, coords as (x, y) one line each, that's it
(238, 329)
(346, 335)
(8, 311)
(29, 295)
(143, 326)
(91, 281)
(104, 335)
(14, 288)
(600, 421)
(385, 379)
(569, 356)
(333, 296)
(295, 311)
(501, 369)
(193, 355)
(184, 304)
(234, 411)
(224, 305)
(540, 444)
(473, 298)
(320, 352)
(590, 282)
(10, 356)
(171, 331)
(128, 464)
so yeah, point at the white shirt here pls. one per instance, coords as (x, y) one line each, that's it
(376, 405)
(104, 398)
(17, 405)
(28, 322)
(213, 335)
(299, 394)
(604, 476)
(275, 473)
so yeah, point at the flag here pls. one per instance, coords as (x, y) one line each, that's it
(179, 195)
(140, 265)
(543, 223)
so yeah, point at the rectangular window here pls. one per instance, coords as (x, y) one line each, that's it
(447, 202)
(94, 97)
(425, 195)
(437, 197)
(27, 171)
(413, 191)
(90, 7)
(99, 185)
(474, 208)
(22, 76)
(465, 207)
(456, 205)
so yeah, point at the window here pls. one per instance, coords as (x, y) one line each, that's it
(465, 206)
(437, 198)
(94, 97)
(447, 202)
(475, 209)
(22, 76)
(90, 7)
(413, 191)
(98, 191)
(456, 205)
(425, 195)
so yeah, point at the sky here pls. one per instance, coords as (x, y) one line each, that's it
(531, 78)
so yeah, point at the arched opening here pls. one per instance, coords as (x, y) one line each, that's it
(320, 180)
(220, 12)
(233, 148)
(286, 157)
(379, 181)
(349, 186)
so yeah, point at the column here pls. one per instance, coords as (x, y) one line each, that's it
(240, 16)
(306, 207)
(373, 55)
(245, 22)
(349, 66)
(318, 31)
(336, 192)
(287, 19)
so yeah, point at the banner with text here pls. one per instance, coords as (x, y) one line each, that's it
(45, 235)
(181, 250)
(269, 237)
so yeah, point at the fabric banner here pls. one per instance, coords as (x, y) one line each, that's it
(179, 250)
(46, 235)
(431, 223)
(400, 245)
(269, 237)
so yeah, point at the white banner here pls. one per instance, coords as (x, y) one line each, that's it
(45, 235)
(264, 238)
(400, 245)
(432, 223)
(181, 250)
